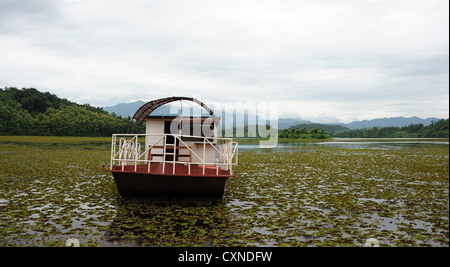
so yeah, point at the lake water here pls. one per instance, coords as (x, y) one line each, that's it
(335, 193)
(346, 143)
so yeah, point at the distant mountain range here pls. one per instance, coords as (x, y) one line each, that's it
(125, 109)
(388, 122)
(128, 109)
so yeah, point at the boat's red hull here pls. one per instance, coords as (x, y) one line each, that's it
(179, 183)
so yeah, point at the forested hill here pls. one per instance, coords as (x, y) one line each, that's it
(28, 111)
(438, 129)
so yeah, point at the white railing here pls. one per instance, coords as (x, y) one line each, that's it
(127, 149)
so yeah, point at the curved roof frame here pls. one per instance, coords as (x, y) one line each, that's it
(149, 107)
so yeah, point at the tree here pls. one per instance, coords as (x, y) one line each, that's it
(439, 129)
(304, 134)
(30, 112)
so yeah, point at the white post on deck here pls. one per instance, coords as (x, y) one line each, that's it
(164, 154)
(174, 152)
(135, 152)
(204, 152)
(113, 150)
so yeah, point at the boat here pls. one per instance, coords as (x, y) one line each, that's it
(177, 156)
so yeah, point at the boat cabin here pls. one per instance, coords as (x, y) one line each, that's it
(190, 130)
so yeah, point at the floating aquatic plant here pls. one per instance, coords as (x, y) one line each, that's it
(52, 189)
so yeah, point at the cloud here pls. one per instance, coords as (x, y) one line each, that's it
(343, 59)
(15, 15)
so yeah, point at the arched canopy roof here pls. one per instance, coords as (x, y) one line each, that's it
(149, 107)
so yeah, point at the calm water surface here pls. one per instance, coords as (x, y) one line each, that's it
(345, 143)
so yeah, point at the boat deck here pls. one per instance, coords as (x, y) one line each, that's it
(157, 168)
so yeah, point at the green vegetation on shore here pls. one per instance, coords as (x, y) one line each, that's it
(439, 129)
(303, 133)
(30, 112)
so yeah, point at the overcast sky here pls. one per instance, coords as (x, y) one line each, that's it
(320, 60)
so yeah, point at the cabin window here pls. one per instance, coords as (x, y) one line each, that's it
(197, 128)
